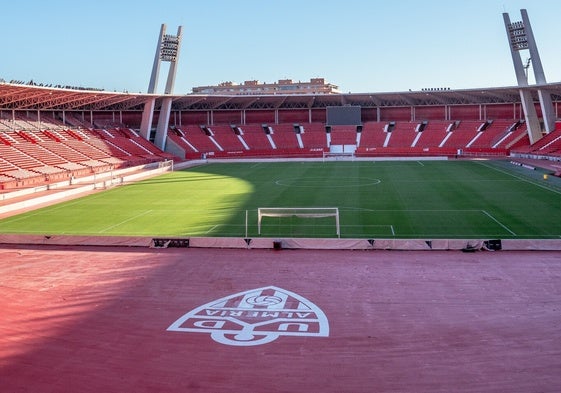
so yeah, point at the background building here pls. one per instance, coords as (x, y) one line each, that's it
(283, 86)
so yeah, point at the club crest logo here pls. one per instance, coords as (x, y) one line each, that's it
(255, 317)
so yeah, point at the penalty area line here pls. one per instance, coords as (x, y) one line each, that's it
(498, 222)
(124, 221)
(212, 229)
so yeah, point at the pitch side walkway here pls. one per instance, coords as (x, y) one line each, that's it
(219, 320)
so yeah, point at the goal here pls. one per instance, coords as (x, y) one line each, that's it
(338, 156)
(301, 212)
(166, 164)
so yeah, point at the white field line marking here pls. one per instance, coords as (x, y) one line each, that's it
(498, 222)
(520, 178)
(364, 226)
(212, 229)
(420, 163)
(124, 221)
(344, 208)
(348, 228)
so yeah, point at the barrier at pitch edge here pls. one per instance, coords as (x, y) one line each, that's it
(291, 243)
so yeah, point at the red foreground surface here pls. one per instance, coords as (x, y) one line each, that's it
(96, 319)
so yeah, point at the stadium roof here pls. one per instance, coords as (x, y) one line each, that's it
(31, 97)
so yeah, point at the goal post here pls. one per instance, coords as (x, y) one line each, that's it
(302, 212)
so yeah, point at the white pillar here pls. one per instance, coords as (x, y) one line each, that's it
(163, 123)
(147, 117)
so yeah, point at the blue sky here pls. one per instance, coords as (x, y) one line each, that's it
(360, 45)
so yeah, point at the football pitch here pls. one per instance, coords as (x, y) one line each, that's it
(375, 199)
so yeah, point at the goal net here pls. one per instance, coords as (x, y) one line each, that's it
(168, 164)
(299, 212)
(338, 156)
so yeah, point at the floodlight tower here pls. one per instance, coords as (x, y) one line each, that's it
(521, 37)
(166, 50)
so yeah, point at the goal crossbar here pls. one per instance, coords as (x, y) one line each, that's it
(304, 212)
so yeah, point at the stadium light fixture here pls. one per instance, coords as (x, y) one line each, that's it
(517, 35)
(169, 48)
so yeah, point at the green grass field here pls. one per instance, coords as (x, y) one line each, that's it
(376, 199)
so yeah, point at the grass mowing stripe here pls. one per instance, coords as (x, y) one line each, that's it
(445, 199)
(51, 208)
(535, 183)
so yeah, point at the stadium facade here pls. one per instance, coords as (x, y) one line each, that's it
(88, 130)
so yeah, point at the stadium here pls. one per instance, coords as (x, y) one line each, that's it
(396, 241)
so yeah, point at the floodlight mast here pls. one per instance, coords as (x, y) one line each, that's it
(157, 60)
(520, 38)
(167, 50)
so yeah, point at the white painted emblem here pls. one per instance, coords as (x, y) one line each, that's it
(255, 317)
